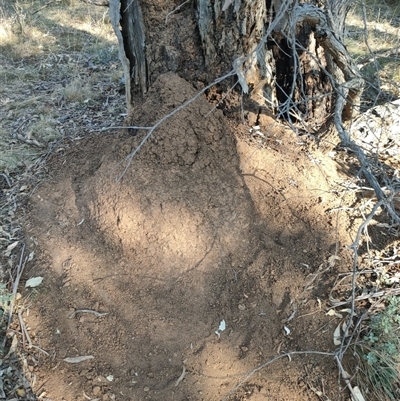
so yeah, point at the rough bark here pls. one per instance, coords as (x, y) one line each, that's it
(288, 55)
(134, 37)
(156, 40)
(115, 16)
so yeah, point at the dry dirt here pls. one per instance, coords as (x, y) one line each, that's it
(207, 224)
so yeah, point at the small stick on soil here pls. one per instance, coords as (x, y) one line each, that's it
(318, 393)
(20, 269)
(97, 314)
(41, 350)
(181, 377)
(347, 381)
(24, 332)
(7, 179)
(43, 7)
(354, 246)
(31, 141)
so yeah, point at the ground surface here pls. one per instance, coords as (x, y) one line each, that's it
(205, 225)
(212, 221)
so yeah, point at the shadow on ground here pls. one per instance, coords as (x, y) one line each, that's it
(201, 228)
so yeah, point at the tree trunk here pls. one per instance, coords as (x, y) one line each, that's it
(287, 55)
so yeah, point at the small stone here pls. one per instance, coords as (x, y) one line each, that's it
(146, 389)
(252, 118)
(100, 381)
(242, 307)
(96, 391)
(265, 120)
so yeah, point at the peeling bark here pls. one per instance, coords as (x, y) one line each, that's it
(115, 17)
(297, 68)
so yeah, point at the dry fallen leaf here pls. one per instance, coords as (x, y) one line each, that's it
(356, 395)
(34, 282)
(10, 248)
(332, 312)
(13, 348)
(332, 260)
(337, 338)
(78, 359)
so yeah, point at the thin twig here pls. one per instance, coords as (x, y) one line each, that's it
(181, 377)
(175, 10)
(20, 269)
(269, 362)
(43, 7)
(344, 376)
(377, 294)
(97, 314)
(343, 347)
(7, 179)
(40, 349)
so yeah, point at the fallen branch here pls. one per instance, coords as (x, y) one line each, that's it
(20, 268)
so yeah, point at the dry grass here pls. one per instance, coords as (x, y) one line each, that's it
(373, 38)
(78, 90)
(55, 60)
(28, 30)
(59, 80)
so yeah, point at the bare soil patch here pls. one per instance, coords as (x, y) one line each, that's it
(205, 225)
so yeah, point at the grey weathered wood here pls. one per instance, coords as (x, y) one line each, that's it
(294, 65)
(115, 16)
(134, 38)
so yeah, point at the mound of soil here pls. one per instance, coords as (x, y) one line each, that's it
(202, 227)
